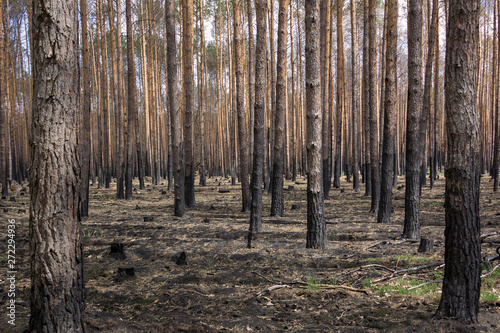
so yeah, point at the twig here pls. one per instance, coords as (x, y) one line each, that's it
(265, 278)
(423, 284)
(272, 288)
(490, 272)
(328, 286)
(483, 236)
(417, 268)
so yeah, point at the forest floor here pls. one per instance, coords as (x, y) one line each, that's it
(276, 286)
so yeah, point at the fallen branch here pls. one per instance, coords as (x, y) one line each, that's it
(417, 268)
(387, 243)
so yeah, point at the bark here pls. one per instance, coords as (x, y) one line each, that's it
(277, 203)
(117, 103)
(132, 111)
(341, 86)
(390, 101)
(316, 226)
(86, 110)
(57, 286)
(372, 77)
(3, 118)
(414, 110)
(240, 105)
(366, 104)
(436, 102)
(187, 43)
(426, 104)
(175, 112)
(259, 110)
(355, 97)
(201, 94)
(325, 63)
(251, 81)
(462, 273)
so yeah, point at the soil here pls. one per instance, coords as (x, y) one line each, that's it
(276, 286)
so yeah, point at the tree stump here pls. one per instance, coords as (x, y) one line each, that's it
(117, 251)
(181, 260)
(125, 273)
(296, 207)
(426, 245)
(148, 218)
(13, 199)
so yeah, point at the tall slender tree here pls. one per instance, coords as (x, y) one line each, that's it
(426, 102)
(175, 112)
(341, 88)
(462, 272)
(259, 120)
(414, 110)
(133, 123)
(240, 105)
(57, 287)
(251, 81)
(390, 101)
(316, 226)
(86, 110)
(372, 101)
(3, 118)
(366, 103)
(277, 203)
(355, 97)
(325, 10)
(187, 54)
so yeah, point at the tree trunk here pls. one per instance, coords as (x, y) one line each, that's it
(57, 286)
(187, 43)
(366, 103)
(86, 111)
(251, 82)
(355, 97)
(259, 110)
(341, 87)
(390, 101)
(316, 226)
(117, 103)
(372, 78)
(3, 118)
(426, 104)
(462, 272)
(277, 203)
(240, 105)
(325, 14)
(414, 109)
(132, 111)
(175, 112)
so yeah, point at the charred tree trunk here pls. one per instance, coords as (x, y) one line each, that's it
(259, 109)
(86, 111)
(240, 105)
(462, 272)
(355, 97)
(372, 69)
(414, 109)
(187, 43)
(390, 101)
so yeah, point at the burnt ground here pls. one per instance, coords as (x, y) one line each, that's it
(276, 286)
